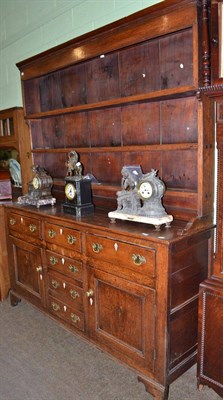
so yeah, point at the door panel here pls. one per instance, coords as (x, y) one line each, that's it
(121, 316)
(28, 270)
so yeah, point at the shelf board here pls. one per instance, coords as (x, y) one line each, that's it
(141, 148)
(6, 142)
(184, 91)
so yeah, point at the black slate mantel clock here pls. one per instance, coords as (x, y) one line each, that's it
(78, 197)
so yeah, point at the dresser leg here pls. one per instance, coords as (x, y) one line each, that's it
(14, 300)
(200, 387)
(158, 391)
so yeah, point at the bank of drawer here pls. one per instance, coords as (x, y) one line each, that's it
(63, 236)
(65, 312)
(65, 265)
(131, 256)
(24, 225)
(66, 291)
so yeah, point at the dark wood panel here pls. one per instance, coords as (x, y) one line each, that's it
(73, 86)
(105, 127)
(76, 130)
(37, 135)
(106, 167)
(50, 92)
(54, 164)
(179, 120)
(147, 160)
(140, 124)
(102, 78)
(210, 345)
(180, 169)
(213, 342)
(32, 96)
(185, 282)
(53, 132)
(140, 68)
(183, 332)
(176, 59)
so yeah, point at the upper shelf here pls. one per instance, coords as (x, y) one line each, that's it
(145, 72)
(116, 149)
(153, 96)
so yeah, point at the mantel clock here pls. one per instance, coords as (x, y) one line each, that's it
(78, 197)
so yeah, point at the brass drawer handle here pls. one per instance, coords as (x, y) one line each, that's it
(51, 233)
(74, 294)
(12, 221)
(138, 260)
(39, 268)
(71, 239)
(53, 260)
(72, 268)
(55, 306)
(75, 318)
(55, 284)
(32, 228)
(97, 247)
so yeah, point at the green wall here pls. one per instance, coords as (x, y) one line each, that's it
(28, 27)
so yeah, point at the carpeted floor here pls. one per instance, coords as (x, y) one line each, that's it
(40, 360)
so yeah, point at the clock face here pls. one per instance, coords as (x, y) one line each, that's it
(70, 191)
(145, 190)
(36, 182)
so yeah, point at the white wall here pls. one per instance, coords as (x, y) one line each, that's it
(28, 27)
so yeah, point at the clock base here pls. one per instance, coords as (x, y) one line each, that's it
(79, 211)
(156, 221)
(38, 202)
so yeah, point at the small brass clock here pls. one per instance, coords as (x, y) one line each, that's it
(39, 189)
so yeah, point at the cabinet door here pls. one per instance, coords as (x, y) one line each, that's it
(210, 343)
(27, 274)
(121, 318)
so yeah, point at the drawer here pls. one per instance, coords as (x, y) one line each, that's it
(65, 312)
(20, 224)
(62, 236)
(124, 255)
(64, 290)
(65, 265)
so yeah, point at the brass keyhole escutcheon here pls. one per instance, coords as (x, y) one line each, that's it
(89, 293)
(39, 268)
(12, 221)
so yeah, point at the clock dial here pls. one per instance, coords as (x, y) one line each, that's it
(70, 191)
(36, 182)
(145, 190)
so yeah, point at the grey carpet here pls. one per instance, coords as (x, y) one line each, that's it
(41, 360)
